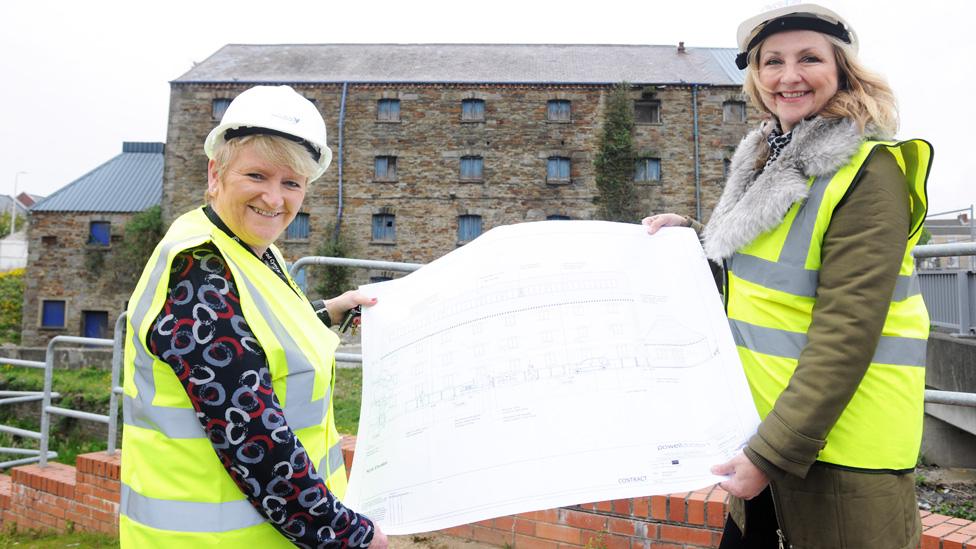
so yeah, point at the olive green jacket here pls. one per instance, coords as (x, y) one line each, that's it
(820, 505)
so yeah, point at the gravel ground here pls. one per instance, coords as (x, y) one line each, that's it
(947, 491)
(434, 541)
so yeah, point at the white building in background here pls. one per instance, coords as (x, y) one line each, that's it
(13, 251)
(961, 228)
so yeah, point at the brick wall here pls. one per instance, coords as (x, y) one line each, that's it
(86, 498)
(515, 140)
(64, 498)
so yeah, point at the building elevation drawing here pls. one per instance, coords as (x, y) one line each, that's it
(545, 364)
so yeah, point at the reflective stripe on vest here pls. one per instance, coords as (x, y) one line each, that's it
(194, 516)
(772, 291)
(896, 351)
(154, 403)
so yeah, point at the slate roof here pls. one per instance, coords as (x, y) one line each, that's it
(130, 182)
(949, 227)
(466, 64)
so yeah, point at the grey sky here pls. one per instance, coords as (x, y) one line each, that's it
(81, 77)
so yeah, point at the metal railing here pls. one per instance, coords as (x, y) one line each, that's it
(950, 296)
(43, 453)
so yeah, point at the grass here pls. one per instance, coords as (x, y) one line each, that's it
(37, 540)
(349, 392)
(85, 389)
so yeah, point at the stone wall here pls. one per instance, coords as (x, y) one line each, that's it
(62, 265)
(515, 140)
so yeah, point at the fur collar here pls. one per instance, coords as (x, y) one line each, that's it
(751, 204)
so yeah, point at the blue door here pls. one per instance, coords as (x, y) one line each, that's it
(94, 324)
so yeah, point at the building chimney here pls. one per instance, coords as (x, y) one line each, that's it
(681, 47)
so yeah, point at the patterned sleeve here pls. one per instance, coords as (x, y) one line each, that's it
(202, 335)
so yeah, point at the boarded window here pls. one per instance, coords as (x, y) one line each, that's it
(384, 227)
(647, 169)
(472, 168)
(647, 112)
(52, 313)
(559, 110)
(734, 111)
(384, 168)
(558, 169)
(99, 233)
(298, 228)
(469, 227)
(473, 110)
(218, 107)
(388, 110)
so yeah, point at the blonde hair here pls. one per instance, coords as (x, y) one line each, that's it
(277, 150)
(862, 95)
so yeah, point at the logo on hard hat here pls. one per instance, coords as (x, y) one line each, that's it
(290, 119)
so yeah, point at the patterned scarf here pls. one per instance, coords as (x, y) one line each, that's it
(777, 141)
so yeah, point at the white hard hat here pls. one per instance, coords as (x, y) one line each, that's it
(274, 110)
(754, 30)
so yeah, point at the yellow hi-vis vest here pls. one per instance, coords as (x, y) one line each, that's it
(175, 492)
(771, 292)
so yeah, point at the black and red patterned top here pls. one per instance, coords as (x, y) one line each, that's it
(203, 336)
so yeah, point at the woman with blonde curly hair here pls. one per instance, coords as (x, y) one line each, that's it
(815, 230)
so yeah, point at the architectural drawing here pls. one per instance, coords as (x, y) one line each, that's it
(545, 364)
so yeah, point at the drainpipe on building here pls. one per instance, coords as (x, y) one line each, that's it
(342, 125)
(694, 110)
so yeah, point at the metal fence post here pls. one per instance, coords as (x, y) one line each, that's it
(962, 289)
(46, 401)
(113, 399)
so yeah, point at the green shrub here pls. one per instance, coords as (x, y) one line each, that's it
(11, 302)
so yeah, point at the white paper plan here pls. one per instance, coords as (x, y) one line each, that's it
(541, 365)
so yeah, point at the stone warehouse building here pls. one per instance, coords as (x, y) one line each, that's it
(435, 144)
(72, 284)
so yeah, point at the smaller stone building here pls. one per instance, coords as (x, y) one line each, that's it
(72, 285)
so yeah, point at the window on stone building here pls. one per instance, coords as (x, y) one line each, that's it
(384, 168)
(49, 240)
(384, 227)
(557, 217)
(94, 324)
(473, 110)
(559, 110)
(52, 313)
(388, 110)
(99, 233)
(469, 228)
(647, 111)
(472, 168)
(558, 169)
(218, 107)
(647, 170)
(734, 111)
(298, 228)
